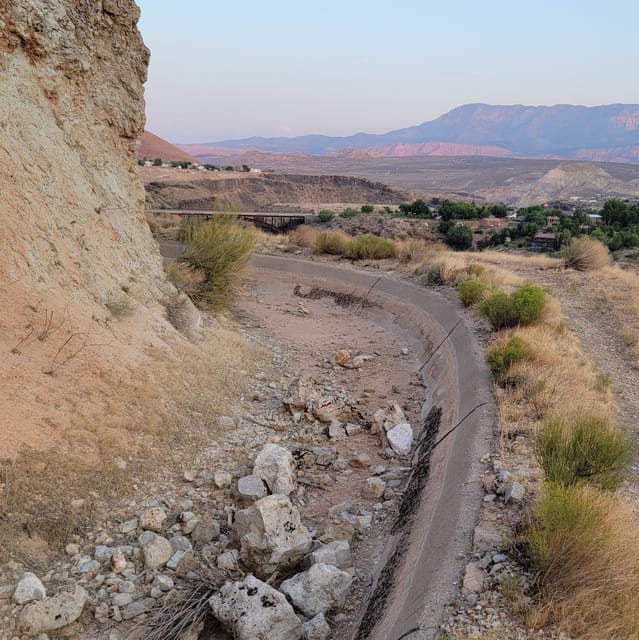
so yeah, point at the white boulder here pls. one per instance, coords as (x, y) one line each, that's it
(52, 613)
(271, 535)
(317, 590)
(29, 588)
(274, 465)
(252, 609)
(400, 438)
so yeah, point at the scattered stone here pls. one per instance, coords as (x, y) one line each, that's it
(153, 519)
(137, 608)
(129, 526)
(163, 582)
(118, 561)
(227, 422)
(361, 461)
(337, 553)
(271, 535)
(321, 588)
(514, 492)
(316, 628)
(474, 579)
(157, 551)
(352, 429)
(29, 588)
(274, 465)
(222, 479)
(250, 488)
(342, 358)
(404, 351)
(72, 549)
(252, 609)
(400, 438)
(324, 456)
(336, 430)
(52, 613)
(189, 521)
(188, 475)
(206, 530)
(227, 561)
(374, 488)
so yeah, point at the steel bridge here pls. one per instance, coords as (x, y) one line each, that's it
(270, 222)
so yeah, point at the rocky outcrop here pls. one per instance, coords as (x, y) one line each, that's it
(75, 249)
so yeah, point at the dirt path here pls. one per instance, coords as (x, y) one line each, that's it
(600, 335)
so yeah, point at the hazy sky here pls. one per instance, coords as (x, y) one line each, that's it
(238, 68)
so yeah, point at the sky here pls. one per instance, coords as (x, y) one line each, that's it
(240, 68)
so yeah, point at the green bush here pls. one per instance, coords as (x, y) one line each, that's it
(370, 247)
(367, 208)
(332, 242)
(459, 238)
(501, 357)
(221, 250)
(563, 521)
(349, 212)
(523, 306)
(325, 215)
(471, 292)
(589, 450)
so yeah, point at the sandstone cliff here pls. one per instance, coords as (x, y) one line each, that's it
(74, 247)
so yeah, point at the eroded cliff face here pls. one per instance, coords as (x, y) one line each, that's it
(72, 112)
(75, 251)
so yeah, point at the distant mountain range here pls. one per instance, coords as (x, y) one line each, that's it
(607, 133)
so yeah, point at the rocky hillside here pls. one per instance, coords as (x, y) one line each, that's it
(152, 147)
(604, 133)
(178, 189)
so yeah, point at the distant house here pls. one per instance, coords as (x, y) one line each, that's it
(552, 221)
(595, 219)
(544, 241)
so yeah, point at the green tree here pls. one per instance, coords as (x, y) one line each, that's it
(459, 238)
(157, 162)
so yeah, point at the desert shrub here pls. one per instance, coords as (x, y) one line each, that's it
(471, 292)
(475, 270)
(524, 306)
(412, 249)
(367, 208)
(502, 356)
(459, 238)
(221, 250)
(304, 236)
(325, 215)
(331, 242)
(585, 254)
(584, 548)
(349, 212)
(588, 450)
(184, 278)
(371, 247)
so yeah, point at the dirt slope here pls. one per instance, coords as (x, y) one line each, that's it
(152, 146)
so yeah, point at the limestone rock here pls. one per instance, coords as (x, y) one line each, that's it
(274, 464)
(250, 489)
(157, 551)
(153, 519)
(374, 488)
(514, 492)
(319, 589)
(400, 438)
(316, 628)
(271, 535)
(29, 588)
(52, 613)
(474, 579)
(222, 479)
(253, 610)
(337, 553)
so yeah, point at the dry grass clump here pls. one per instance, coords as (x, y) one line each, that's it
(412, 250)
(585, 254)
(445, 270)
(221, 250)
(304, 236)
(331, 242)
(584, 545)
(371, 247)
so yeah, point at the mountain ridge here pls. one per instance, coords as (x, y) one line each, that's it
(560, 131)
